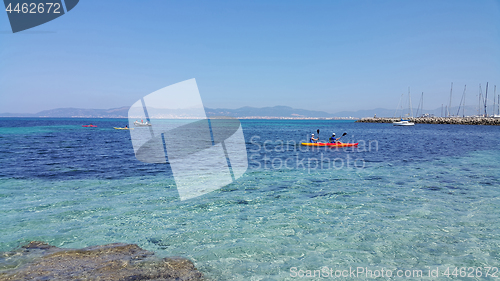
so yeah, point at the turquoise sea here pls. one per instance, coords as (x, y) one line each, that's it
(408, 198)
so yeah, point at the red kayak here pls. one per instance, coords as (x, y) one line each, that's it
(93, 126)
(338, 144)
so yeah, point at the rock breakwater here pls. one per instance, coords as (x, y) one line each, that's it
(438, 120)
(40, 261)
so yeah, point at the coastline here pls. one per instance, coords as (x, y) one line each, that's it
(189, 118)
(437, 120)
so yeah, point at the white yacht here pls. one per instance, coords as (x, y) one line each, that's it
(141, 124)
(403, 123)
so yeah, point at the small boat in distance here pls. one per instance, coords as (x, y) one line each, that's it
(403, 123)
(125, 128)
(141, 124)
(93, 126)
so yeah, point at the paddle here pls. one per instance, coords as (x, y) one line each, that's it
(318, 134)
(341, 136)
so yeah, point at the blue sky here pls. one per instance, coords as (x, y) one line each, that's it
(319, 55)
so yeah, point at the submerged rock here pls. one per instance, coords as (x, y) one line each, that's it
(40, 261)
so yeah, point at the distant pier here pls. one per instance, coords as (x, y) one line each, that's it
(437, 120)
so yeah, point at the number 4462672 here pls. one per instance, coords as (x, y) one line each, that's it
(471, 272)
(33, 8)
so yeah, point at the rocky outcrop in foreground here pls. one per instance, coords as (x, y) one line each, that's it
(40, 261)
(438, 120)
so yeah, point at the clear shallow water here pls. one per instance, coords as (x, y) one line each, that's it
(428, 196)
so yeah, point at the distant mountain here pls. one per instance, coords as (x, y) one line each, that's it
(454, 111)
(243, 112)
(275, 111)
(121, 112)
(380, 112)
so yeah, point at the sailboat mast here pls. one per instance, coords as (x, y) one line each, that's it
(397, 108)
(463, 110)
(480, 100)
(449, 106)
(401, 114)
(460, 105)
(409, 103)
(420, 106)
(486, 100)
(498, 99)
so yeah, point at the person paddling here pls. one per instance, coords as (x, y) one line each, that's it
(313, 140)
(336, 140)
(333, 139)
